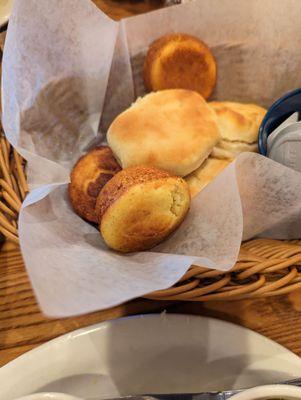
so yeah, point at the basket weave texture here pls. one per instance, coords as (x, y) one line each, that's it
(264, 267)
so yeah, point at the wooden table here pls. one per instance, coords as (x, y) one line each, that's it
(23, 327)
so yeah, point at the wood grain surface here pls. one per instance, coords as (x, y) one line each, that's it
(23, 327)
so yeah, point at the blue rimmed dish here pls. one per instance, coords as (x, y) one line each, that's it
(276, 114)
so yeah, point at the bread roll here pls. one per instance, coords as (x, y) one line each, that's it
(239, 125)
(180, 61)
(89, 175)
(200, 178)
(141, 206)
(174, 130)
(230, 150)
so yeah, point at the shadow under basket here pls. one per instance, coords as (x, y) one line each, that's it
(264, 268)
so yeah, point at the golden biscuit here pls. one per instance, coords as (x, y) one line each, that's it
(140, 206)
(174, 130)
(89, 175)
(202, 176)
(180, 61)
(239, 125)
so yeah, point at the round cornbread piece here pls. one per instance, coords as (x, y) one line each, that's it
(174, 130)
(89, 175)
(180, 61)
(140, 206)
(239, 125)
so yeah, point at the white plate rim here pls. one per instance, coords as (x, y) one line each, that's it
(103, 325)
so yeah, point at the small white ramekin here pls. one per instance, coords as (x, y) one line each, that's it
(49, 396)
(275, 392)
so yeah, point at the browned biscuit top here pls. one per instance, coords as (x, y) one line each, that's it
(122, 182)
(173, 130)
(91, 172)
(180, 60)
(238, 121)
(140, 207)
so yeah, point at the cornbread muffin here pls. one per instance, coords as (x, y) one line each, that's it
(140, 206)
(200, 178)
(239, 125)
(174, 130)
(180, 61)
(88, 176)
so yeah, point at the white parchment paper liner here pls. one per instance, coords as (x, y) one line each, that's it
(68, 70)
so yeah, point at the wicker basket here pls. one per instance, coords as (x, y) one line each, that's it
(264, 268)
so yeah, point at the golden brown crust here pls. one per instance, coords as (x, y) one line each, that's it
(238, 121)
(140, 207)
(180, 61)
(174, 130)
(151, 56)
(239, 125)
(202, 176)
(228, 150)
(91, 172)
(122, 182)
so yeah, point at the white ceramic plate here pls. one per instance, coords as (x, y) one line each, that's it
(5, 10)
(149, 354)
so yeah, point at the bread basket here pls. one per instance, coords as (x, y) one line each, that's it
(264, 267)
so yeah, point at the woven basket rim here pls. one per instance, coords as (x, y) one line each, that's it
(264, 268)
